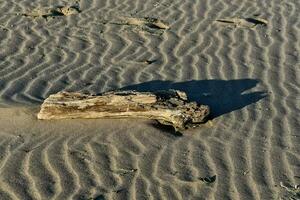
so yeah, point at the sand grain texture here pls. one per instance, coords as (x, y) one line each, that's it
(249, 77)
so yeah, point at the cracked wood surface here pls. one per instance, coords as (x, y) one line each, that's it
(168, 107)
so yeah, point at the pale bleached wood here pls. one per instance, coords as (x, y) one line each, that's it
(168, 107)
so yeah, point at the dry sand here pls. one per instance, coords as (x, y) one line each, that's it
(239, 57)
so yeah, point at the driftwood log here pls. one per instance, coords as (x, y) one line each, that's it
(168, 107)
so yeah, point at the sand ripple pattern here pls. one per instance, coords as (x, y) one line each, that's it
(249, 77)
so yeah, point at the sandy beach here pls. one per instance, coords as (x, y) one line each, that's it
(241, 58)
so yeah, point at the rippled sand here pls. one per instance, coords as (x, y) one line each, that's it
(246, 71)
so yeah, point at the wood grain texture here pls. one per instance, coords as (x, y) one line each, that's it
(168, 107)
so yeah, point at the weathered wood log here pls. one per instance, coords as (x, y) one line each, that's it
(168, 107)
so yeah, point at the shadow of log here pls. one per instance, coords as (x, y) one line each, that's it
(222, 96)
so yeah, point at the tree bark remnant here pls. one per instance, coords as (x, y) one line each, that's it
(169, 107)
